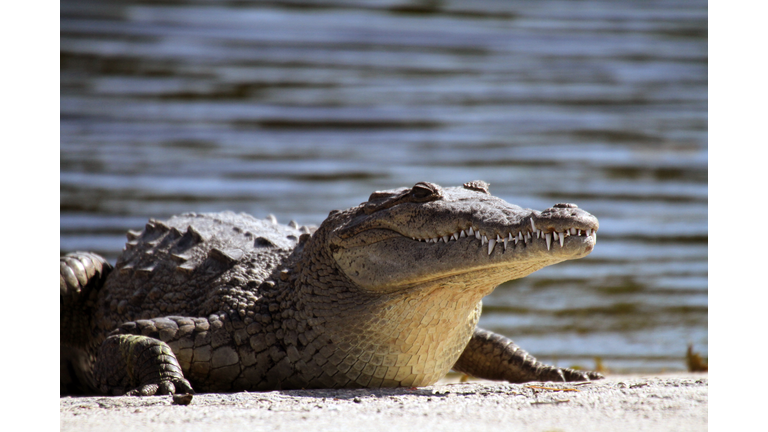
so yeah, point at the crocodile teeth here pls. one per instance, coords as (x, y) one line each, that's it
(520, 236)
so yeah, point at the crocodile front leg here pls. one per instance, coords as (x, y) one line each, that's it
(138, 366)
(495, 357)
(211, 354)
(157, 356)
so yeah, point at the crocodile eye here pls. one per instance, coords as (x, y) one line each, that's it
(420, 192)
(424, 191)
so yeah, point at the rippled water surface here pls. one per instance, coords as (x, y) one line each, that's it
(297, 108)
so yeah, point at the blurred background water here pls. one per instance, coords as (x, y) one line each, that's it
(296, 108)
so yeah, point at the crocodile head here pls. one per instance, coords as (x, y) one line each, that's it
(401, 277)
(427, 235)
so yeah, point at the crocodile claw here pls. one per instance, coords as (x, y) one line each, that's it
(576, 375)
(165, 387)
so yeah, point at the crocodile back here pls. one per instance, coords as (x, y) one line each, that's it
(195, 265)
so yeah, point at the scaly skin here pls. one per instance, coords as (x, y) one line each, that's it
(384, 294)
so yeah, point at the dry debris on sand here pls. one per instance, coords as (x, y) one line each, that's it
(667, 402)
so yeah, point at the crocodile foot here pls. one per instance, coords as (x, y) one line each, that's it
(167, 387)
(134, 365)
(569, 375)
(492, 356)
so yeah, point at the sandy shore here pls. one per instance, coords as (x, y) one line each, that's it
(632, 403)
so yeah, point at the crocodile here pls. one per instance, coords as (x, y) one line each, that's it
(384, 294)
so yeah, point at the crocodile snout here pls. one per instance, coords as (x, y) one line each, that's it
(566, 215)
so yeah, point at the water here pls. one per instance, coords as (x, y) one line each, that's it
(298, 108)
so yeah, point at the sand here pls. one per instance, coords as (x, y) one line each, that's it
(632, 403)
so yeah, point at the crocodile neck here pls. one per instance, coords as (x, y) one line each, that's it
(411, 336)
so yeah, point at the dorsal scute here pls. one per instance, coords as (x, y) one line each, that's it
(188, 246)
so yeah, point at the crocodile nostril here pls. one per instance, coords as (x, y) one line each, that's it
(565, 205)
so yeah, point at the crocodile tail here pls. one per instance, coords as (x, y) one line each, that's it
(81, 276)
